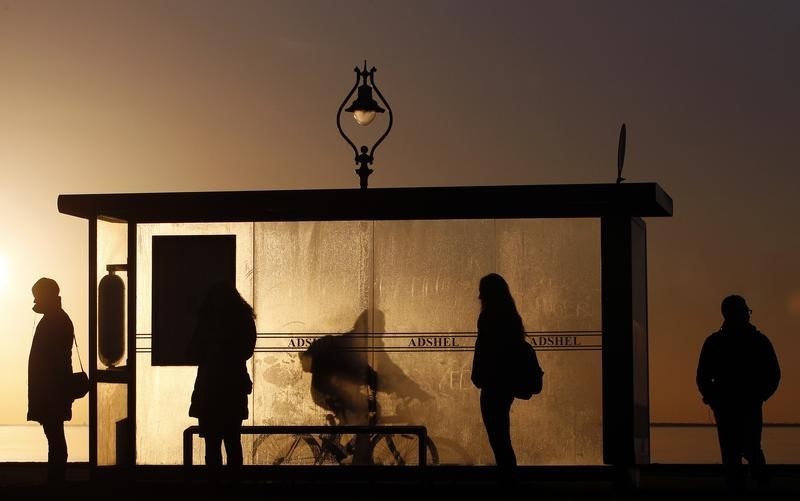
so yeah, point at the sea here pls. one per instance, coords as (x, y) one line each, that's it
(669, 443)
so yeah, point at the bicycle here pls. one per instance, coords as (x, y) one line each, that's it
(397, 449)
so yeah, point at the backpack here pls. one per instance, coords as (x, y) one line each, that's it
(528, 374)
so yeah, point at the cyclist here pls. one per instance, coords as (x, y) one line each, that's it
(339, 372)
(343, 381)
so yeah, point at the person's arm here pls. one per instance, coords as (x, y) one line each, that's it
(66, 339)
(477, 359)
(249, 341)
(63, 346)
(59, 365)
(705, 377)
(772, 372)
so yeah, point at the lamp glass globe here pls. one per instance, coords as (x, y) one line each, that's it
(364, 117)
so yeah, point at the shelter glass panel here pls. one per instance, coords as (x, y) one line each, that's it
(112, 423)
(163, 393)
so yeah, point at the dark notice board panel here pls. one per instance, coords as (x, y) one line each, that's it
(184, 267)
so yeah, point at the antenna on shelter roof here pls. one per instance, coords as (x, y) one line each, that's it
(621, 154)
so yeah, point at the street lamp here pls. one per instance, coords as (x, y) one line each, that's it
(364, 109)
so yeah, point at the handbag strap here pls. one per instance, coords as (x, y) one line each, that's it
(77, 351)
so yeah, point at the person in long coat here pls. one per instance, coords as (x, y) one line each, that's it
(49, 371)
(223, 341)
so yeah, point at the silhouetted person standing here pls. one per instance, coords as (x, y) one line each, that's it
(737, 372)
(223, 341)
(49, 371)
(500, 332)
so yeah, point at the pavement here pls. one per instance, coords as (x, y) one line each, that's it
(667, 482)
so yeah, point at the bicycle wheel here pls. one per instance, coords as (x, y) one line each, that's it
(401, 449)
(452, 452)
(286, 449)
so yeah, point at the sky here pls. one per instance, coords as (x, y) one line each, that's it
(113, 96)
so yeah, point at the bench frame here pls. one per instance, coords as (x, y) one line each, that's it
(420, 431)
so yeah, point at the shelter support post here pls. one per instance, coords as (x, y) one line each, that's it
(626, 414)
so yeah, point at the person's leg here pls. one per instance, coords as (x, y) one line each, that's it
(213, 456)
(233, 448)
(213, 449)
(56, 450)
(233, 452)
(355, 407)
(730, 444)
(495, 410)
(751, 444)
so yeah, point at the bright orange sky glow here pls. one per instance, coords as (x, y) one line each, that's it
(5, 275)
(101, 97)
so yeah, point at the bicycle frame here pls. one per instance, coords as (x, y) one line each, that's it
(380, 444)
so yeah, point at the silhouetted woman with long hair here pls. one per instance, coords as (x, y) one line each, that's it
(223, 341)
(500, 331)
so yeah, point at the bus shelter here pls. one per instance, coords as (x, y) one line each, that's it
(398, 270)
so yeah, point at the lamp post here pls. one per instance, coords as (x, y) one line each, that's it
(364, 109)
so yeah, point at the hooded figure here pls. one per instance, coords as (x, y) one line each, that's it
(49, 371)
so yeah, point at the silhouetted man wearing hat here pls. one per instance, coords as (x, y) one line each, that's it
(737, 372)
(49, 371)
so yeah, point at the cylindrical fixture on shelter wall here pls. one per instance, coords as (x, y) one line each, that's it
(111, 318)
